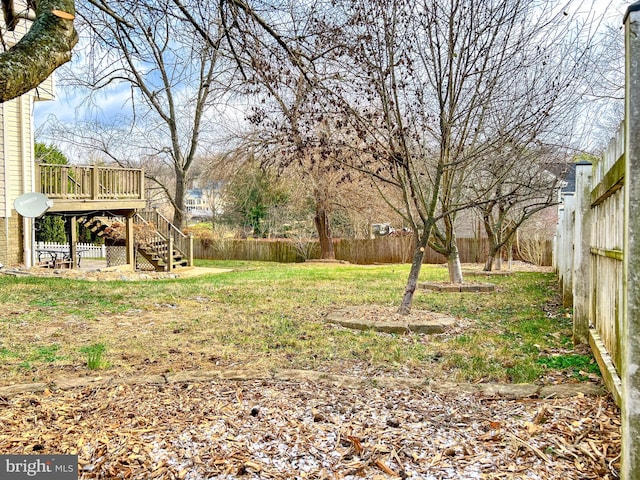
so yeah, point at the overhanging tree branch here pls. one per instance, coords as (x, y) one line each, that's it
(46, 46)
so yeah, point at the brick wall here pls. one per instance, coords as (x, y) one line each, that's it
(11, 240)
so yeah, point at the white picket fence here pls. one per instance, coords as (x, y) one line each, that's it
(88, 249)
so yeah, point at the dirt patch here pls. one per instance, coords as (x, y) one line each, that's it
(112, 274)
(327, 261)
(516, 266)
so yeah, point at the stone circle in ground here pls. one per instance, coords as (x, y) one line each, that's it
(482, 273)
(476, 287)
(386, 319)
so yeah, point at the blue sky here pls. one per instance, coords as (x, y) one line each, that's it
(73, 105)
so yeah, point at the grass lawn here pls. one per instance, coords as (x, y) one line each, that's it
(270, 316)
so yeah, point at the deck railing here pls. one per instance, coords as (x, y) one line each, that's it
(91, 182)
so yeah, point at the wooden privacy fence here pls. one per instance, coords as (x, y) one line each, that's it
(358, 251)
(597, 256)
(589, 258)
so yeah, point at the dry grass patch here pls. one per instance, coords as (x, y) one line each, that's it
(271, 316)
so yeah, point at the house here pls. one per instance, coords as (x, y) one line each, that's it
(203, 203)
(78, 193)
(197, 204)
(17, 172)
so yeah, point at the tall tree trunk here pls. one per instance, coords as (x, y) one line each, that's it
(414, 273)
(324, 234)
(178, 206)
(453, 262)
(493, 242)
(493, 258)
(323, 225)
(451, 250)
(488, 265)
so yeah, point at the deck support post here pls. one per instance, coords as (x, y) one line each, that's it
(73, 240)
(170, 253)
(130, 243)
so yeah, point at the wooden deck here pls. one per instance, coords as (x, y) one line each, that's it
(74, 188)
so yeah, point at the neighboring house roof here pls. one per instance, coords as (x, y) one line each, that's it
(569, 180)
(567, 173)
(569, 185)
(195, 193)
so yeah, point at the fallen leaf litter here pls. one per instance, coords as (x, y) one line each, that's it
(272, 429)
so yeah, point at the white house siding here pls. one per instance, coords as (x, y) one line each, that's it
(46, 90)
(11, 38)
(16, 155)
(14, 150)
(17, 172)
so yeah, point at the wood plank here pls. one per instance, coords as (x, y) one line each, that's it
(603, 252)
(612, 181)
(607, 369)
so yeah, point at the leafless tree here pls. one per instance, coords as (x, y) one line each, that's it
(436, 88)
(174, 79)
(514, 187)
(292, 135)
(291, 129)
(605, 87)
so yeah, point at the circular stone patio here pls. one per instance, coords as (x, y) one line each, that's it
(388, 320)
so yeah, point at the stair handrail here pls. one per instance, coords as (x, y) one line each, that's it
(141, 218)
(169, 232)
(162, 252)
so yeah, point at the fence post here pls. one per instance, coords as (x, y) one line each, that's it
(631, 319)
(568, 238)
(582, 254)
(559, 243)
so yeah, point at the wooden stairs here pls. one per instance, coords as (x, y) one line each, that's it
(96, 224)
(156, 255)
(161, 243)
(154, 238)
